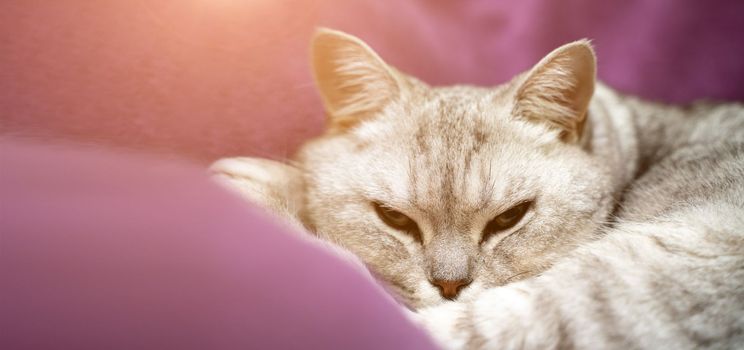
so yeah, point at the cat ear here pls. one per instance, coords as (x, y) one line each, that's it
(353, 80)
(558, 89)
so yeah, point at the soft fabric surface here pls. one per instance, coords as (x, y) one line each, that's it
(104, 250)
(211, 78)
(111, 251)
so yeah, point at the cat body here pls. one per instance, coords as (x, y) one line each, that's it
(462, 192)
(667, 273)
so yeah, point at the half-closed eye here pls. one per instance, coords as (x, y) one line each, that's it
(397, 220)
(506, 220)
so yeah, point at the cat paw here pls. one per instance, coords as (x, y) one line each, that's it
(273, 185)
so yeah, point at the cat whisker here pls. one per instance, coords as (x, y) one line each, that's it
(512, 277)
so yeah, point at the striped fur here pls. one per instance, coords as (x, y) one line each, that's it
(635, 238)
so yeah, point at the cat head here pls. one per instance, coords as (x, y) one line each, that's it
(442, 191)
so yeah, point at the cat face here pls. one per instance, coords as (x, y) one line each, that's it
(442, 191)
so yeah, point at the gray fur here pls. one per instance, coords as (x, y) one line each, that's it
(665, 270)
(668, 272)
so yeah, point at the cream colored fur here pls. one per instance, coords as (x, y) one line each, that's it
(454, 158)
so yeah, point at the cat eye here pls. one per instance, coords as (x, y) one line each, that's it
(397, 220)
(506, 220)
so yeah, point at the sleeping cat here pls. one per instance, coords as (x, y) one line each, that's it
(459, 193)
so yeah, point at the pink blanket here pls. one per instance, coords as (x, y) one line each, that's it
(113, 251)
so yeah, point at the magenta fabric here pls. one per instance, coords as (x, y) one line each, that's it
(211, 78)
(111, 251)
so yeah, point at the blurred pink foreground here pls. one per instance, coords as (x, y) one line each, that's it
(105, 251)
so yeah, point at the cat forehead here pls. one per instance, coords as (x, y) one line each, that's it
(450, 157)
(457, 119)
(457, 104)
(452, 150)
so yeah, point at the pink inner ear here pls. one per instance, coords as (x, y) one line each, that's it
(583, 66)
(558, 89)
(352, 79)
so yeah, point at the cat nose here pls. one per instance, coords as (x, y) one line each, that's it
(450, 289)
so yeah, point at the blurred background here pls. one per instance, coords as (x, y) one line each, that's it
(100, 249)
(202, 79)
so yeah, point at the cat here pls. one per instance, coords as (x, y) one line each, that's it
(427, 185)
(547, 212)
